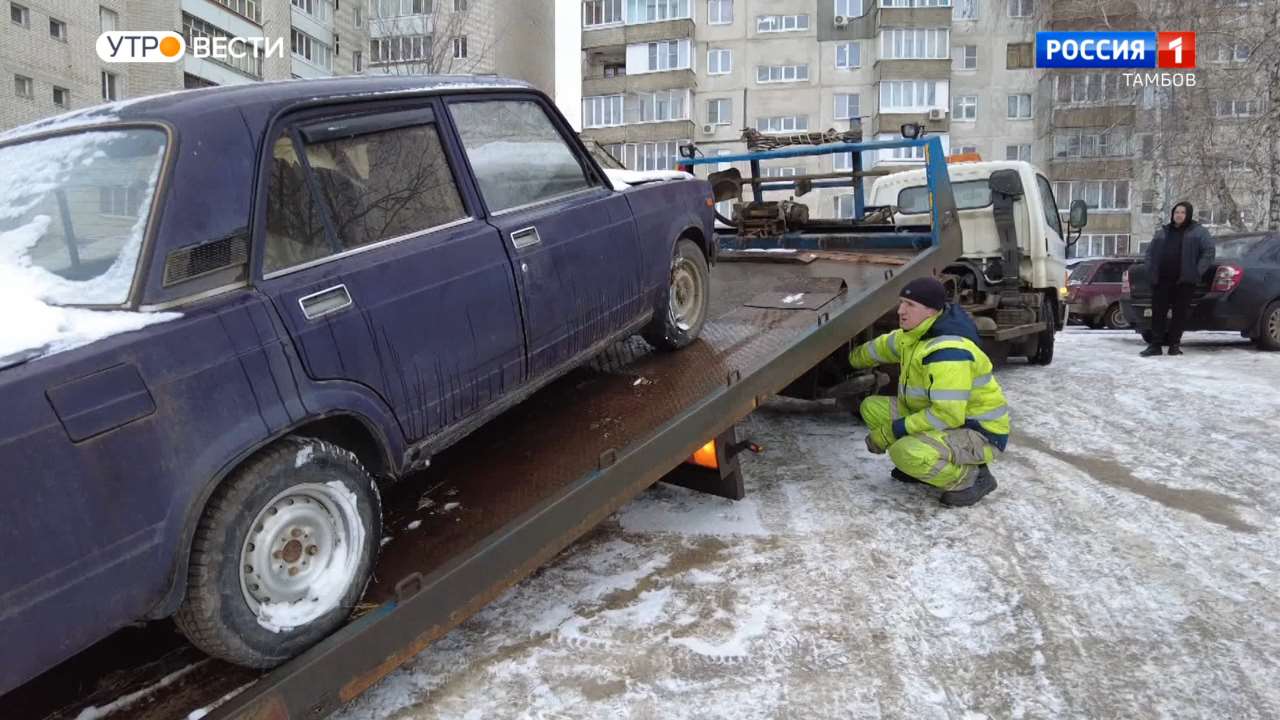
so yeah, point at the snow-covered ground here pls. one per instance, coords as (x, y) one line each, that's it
(1126, 567)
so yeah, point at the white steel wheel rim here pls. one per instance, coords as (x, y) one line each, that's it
(1118, 319)
(1273, 325)
(686, 294)
(299, 558)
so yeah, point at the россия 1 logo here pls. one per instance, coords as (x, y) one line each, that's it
(1116, 49)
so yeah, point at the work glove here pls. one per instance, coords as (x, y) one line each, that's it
(879, 439)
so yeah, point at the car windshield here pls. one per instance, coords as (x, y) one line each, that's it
(970, 194)
(1237, 248)
(73, 209)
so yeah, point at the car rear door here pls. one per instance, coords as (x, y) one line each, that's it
(381, 268)
(572, 238)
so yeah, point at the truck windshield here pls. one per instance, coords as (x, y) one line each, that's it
(73, 210)
(970, 194)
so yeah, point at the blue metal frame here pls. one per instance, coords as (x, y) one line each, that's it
(937, 178)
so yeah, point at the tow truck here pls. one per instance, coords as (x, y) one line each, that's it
(789, 297)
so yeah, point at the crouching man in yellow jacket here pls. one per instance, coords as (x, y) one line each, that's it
(949, 419)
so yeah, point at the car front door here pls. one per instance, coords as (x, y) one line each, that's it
(381, 268)
(572, 239)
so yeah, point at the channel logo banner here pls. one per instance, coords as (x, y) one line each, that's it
(1116, 49)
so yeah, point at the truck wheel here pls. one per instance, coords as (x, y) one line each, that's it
(1115, 319)
(1043, 354)
(688, 294)
(282, 554)
(1269, 336)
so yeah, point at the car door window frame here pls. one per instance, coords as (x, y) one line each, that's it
(595, 177)
(367, 118)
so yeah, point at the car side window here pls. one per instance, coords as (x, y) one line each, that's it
(517, 154)
(1109, 273)
(375, 186)
(1050, 206)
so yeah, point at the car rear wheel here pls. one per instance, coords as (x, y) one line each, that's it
(282, 554)
(1269, 333)
(1115, 319)
(688, 295)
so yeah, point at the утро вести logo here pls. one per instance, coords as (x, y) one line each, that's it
(149, 46)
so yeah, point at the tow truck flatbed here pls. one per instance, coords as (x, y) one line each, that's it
(504, 501)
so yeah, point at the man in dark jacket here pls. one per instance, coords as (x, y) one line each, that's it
(1178, 256)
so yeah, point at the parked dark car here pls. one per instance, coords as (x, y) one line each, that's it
(313, 287)
(1241, 293)
(1094, 290)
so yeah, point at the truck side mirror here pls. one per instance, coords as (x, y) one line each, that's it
(1079, 215)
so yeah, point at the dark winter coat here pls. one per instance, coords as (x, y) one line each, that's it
(1197, 251)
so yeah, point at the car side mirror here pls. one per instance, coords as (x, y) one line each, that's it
(1079, 215)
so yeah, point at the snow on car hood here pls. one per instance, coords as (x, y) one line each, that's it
(623, 179)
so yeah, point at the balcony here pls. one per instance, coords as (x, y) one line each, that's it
(891, 123)
(1095, 116)
(643, 132)
(643, 32)
(912, 70)
(1090, 168)
(929, 17)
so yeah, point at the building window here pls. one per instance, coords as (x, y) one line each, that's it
(108, 20)
(1103, 195)
(357, 62)
(964, 57)
(1077, 143)
(19, 14)
(965, 10)
(1237, 108)
(357, 14)
(911, 95)
(110, 86)
(1102, 246)
(251, 9)
(719, 61)
(615, 70)
(24, 87)
(781, 23)
(720, 111)
(965, 150)
(645, 11)
(602, 111)
(783, 124)
(598, 13)
(400, 48)
(459, 5)
(781, 73)
(844, 206)
(1148, 202)
(662, 106)
(1019, 56)
(966, 108)
(57, 30)
(848, 55)
(195, 82)
(1021, 152)
(847, 106)
(399, 8)
(1231, 52)
(310, 49)
(318, 9)
(1091, 88)
(780, 172)
(1020, 107)
(1022, 8)
(460, 48)
(914, 43)
(848, 8)
(119, 201)
(250, 64)
(1147, 146)
(914, 3)
(665, 55)
(719, 12)
(647, 156)
(61, 97)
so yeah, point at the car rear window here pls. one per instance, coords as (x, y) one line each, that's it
(970, 194)
(1237, 248)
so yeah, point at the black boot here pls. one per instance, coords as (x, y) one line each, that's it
(1175, 349)
(1151, 351)
(984, 483)
(901, 476)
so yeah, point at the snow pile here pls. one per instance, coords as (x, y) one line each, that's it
(623, 179)
(96, 713)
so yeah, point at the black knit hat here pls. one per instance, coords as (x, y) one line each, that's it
(927, 291)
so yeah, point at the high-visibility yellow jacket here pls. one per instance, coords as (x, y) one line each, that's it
(945, 381)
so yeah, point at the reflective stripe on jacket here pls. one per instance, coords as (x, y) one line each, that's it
(946, 380)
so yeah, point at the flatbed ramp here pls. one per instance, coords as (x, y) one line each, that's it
(507, 499)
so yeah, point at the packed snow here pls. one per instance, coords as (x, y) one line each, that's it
(623, 179)
(96, 712)
(1125, 567)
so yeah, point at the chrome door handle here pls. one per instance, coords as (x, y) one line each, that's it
(325, 302)
(525, 237)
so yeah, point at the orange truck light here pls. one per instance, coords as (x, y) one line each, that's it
(706, 456)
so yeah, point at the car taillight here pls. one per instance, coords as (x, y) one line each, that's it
(1227, 278)
(1125, 287)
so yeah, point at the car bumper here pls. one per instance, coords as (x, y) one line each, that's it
(1212, 312)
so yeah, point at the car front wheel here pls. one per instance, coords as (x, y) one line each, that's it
(1269, 335)
(282, 553)
(688, 295)
(1115, 319)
